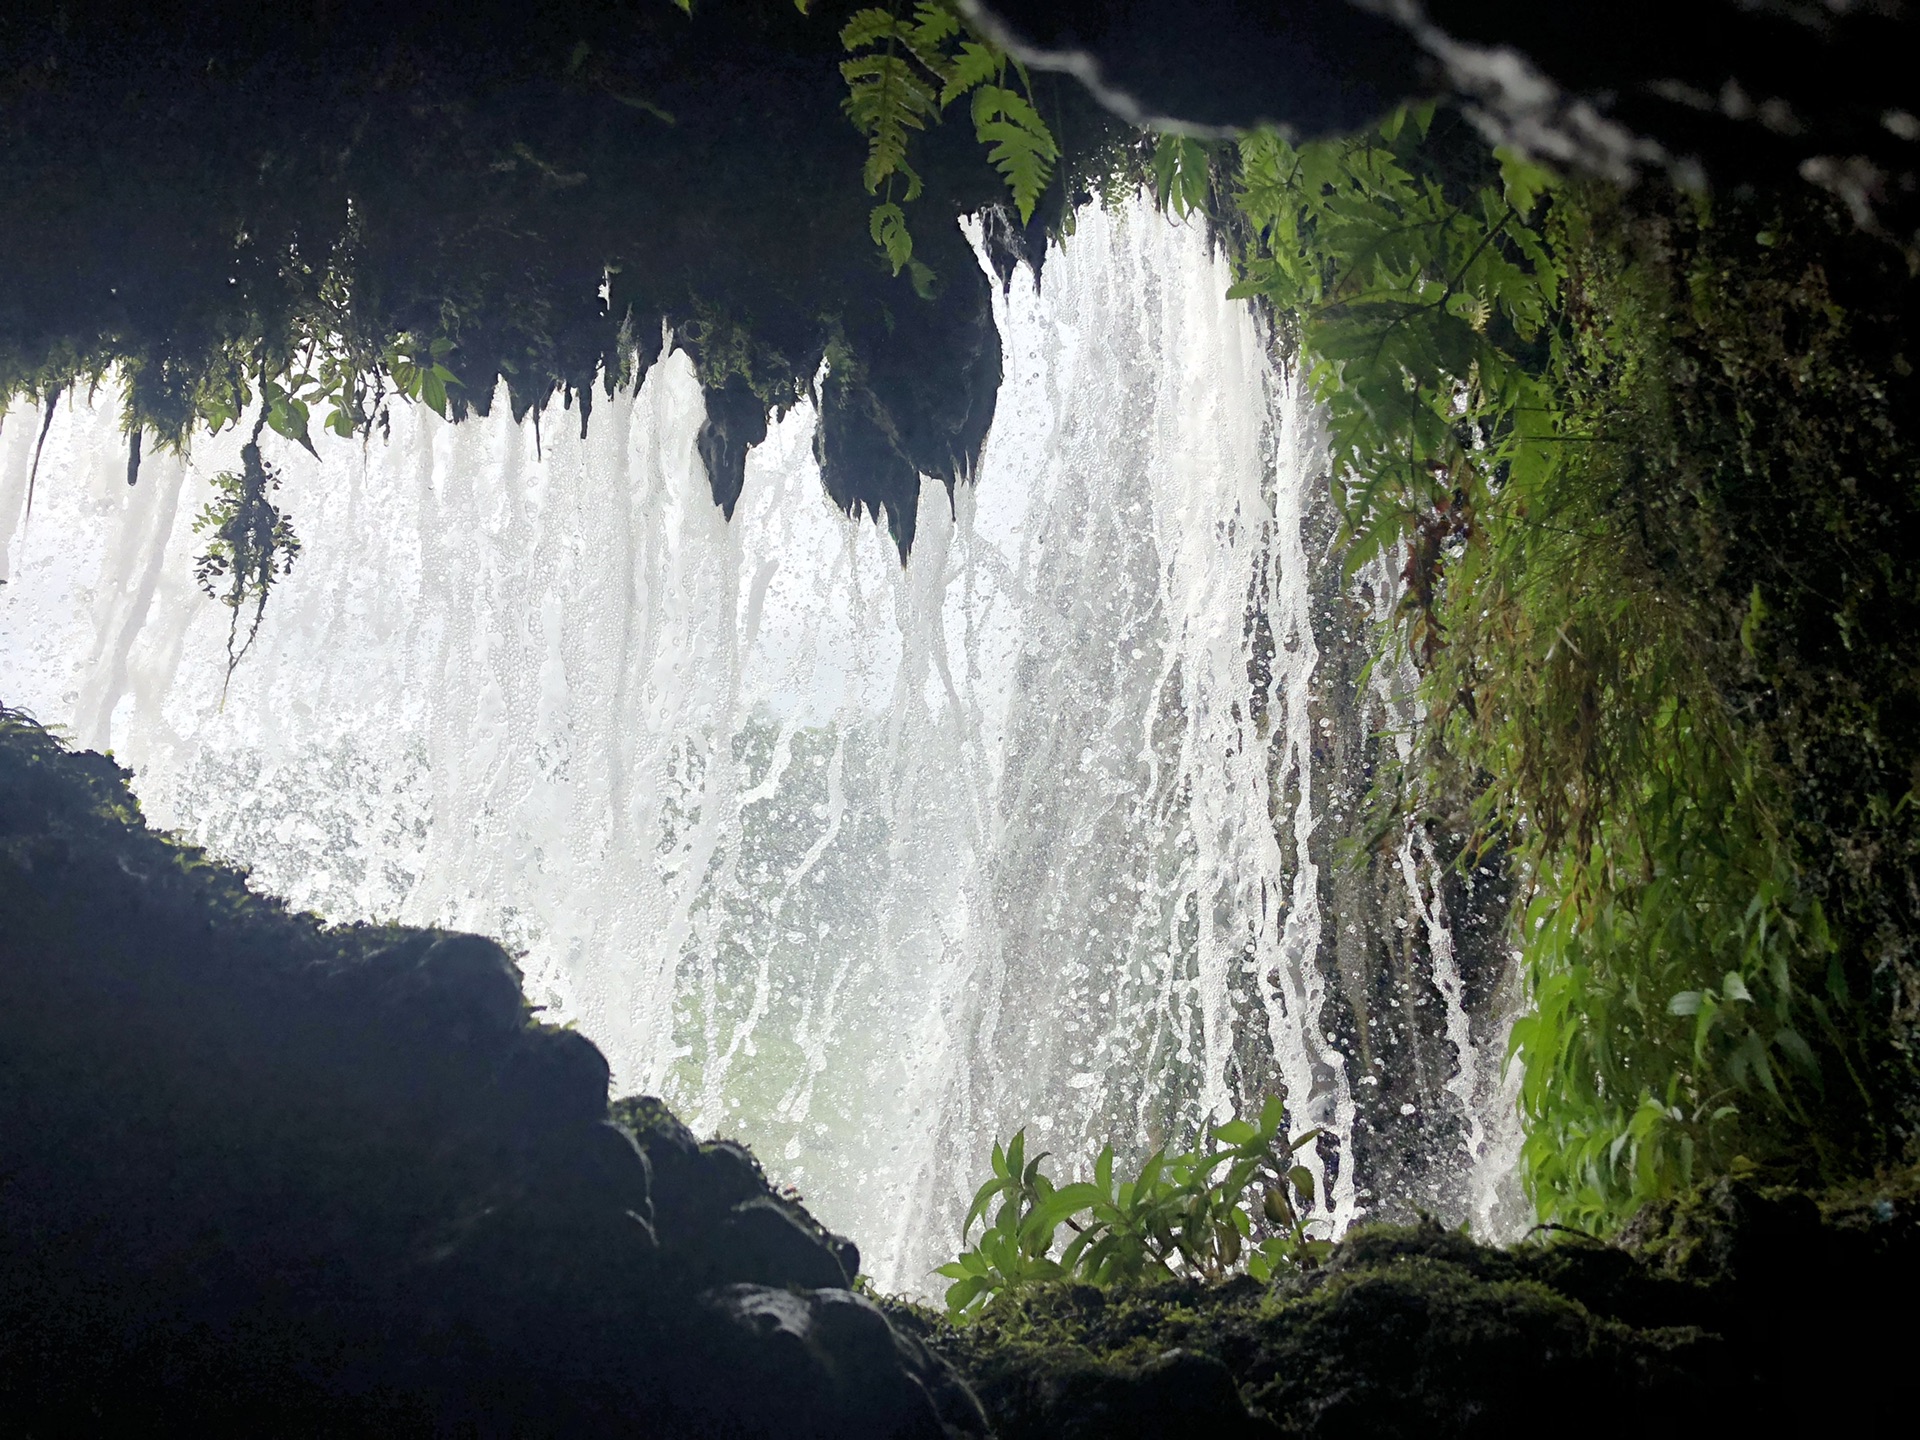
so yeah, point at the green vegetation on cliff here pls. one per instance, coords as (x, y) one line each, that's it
(1644, 464)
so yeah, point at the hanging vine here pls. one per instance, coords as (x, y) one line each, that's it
(251, 546)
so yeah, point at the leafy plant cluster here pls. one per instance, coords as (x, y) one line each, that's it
(1583, 429)
(251, 544)
(905, 71)
(1238, 1201)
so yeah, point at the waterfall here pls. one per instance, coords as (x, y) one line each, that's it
(864, 864)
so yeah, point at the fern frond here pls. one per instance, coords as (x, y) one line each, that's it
(923, 37)
(867, 27)
(888, 226)
(900, 75)
(885, 100)
(975, 65)
(1180, 174)
(1022, 149)
(933, 25)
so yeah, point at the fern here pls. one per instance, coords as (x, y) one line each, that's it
(886, 101)
(889, 228)
(1023, 149)
(1181, 174)
(974, 65)
(901, 74)
(893, 90)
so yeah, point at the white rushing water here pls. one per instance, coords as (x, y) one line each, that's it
(864, 864)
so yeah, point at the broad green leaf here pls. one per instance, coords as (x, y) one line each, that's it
(1522, 179)
(1302, 1179)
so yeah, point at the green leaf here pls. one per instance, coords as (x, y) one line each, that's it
(984, 1196)
(1021, 147)
(1302, 1179)
(963, 1293)
(1797, 1049)
(887, 100)
(1522, 180)
(1273, 1115)
(975, 65)
(888, 226)
(1181, 169)
(287, 416)
(1300, 1142)
(1150, 1170)
(868, 27)
(1275, 1206)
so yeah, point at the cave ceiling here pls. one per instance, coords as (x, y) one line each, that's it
(543, 187)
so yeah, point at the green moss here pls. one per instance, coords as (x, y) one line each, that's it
(1419, 1331)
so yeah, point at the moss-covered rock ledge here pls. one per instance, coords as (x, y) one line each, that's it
(262, 1177)
(1738, 1312)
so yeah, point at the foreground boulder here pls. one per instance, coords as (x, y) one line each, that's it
(258, 1175)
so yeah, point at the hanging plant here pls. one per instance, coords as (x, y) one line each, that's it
(250, 547)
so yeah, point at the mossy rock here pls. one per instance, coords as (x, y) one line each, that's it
(1711, 1320)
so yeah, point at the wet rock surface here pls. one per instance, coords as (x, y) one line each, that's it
(1736, 93)
(261, 1176)
(857, 1368)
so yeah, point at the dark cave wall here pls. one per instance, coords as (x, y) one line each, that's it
(185, 176)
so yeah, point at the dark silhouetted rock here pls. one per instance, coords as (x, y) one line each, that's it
(1768, 94)
(718, 1217)
(1176, 1393)
(830, 1336)
(258, 1176)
